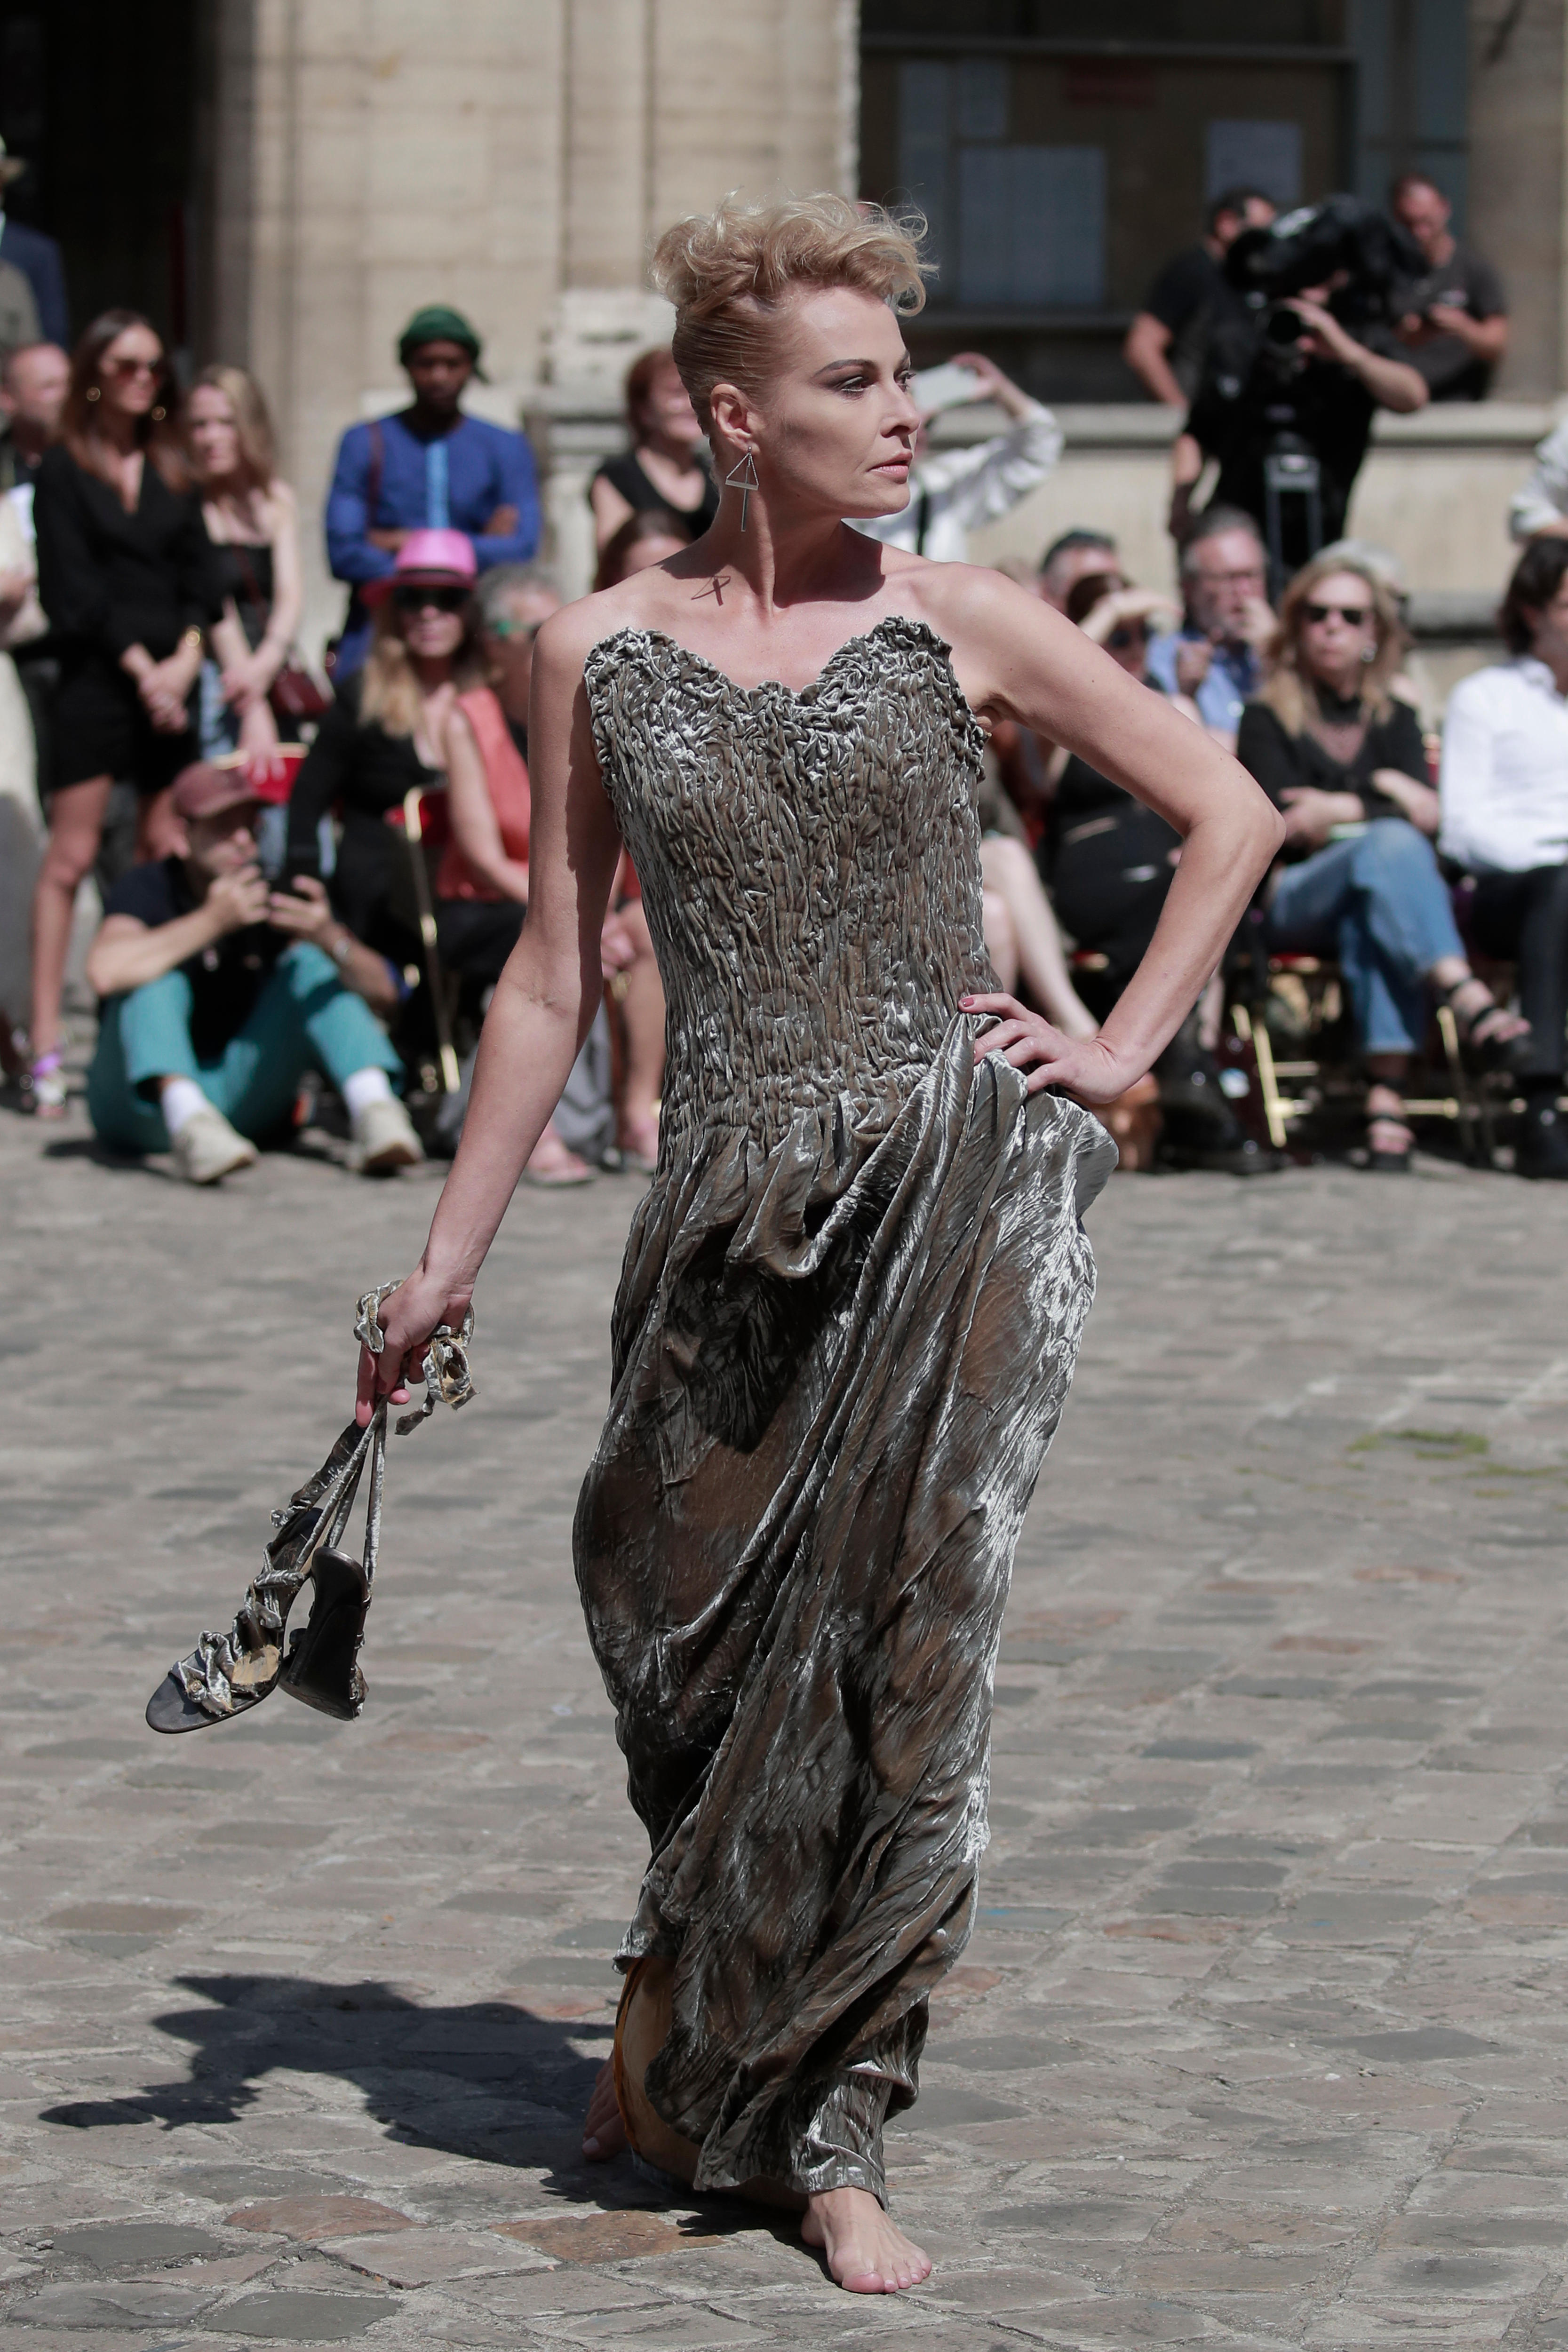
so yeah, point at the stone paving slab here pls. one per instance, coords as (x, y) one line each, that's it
(1260, 2040)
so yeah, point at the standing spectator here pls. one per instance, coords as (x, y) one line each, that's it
(1455, 325)
(33, 386)
(125, 574)
(665, 466)
(1540, 510)
(221, 994)
(37, 258)
(428, 468)
(1324, 396)
(1216, 653)
(1077, 554)
(954, 492)
(1343, 759)
(1165, 344)
(34, 380)
(1505, 817)
(19, 323)
(252, 519)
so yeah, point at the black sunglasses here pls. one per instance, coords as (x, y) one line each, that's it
(1131, 633)
(1355, 617)
(417, 599)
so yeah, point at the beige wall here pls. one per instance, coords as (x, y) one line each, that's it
(371, 155)
(1517, 187)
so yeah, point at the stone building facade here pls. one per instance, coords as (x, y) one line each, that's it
(281, 181)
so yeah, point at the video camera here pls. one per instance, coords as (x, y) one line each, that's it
(1340, 238)
(1259, 391)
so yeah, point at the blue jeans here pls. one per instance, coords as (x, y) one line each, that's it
(304, 1018)
(1379, 906)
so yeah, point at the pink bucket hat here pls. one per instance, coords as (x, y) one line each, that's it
(426, 559)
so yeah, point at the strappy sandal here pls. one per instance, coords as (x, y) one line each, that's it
(48, 1086)
(226, 1675)
(1486, 1030)
(1381, 1159)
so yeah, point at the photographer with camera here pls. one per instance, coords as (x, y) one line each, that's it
(220, 993)
(1296, 372)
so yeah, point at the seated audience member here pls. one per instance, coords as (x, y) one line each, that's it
(219, 995)
(385, 735)
(1216, 653)
(666, 465)
(1504, 794)
(1455, 325)
(1165, 344)
(428, 468)
(1539, 510)
(1111, 862)
(953, 491)
(1344, 761)
(648, 537)
(1077, 554)
(482, 888)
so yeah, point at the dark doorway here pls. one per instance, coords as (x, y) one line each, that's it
(101, 102)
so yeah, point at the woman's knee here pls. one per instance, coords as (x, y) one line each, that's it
(1393, 853)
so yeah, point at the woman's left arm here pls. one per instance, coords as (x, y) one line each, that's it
(1031, 665)
(288, 579)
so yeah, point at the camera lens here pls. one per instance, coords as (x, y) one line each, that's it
(1283, 325)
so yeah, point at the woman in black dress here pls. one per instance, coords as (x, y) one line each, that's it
(253, 522)
(666, 465)
(126, 577)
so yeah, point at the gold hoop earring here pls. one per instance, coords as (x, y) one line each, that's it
(159, 414)
(744, 480)
(92, 392)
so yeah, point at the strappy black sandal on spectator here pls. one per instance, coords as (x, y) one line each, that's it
(1385, 1156)
(1487, 1029)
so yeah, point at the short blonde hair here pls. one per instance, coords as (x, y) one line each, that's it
(1290, 693)
(729, 271)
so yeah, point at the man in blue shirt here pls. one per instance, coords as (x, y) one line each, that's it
(37, 258)
(1216, 653)
(429, 467)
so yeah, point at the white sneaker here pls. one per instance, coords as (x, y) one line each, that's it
(383, 1139)
(206, 1148)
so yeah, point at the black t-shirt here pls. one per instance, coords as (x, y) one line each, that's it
(625, 475)
(1465, 282)
(1188, 290)
(225, 978)
(1280, 759)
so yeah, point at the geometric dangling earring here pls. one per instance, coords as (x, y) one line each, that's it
(744, 480)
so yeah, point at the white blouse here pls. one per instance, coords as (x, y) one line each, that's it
(1504, 782)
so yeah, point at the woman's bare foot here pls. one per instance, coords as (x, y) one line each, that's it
(862, 2249)
(639, 1138)
(603, 2133)
(551, 1163)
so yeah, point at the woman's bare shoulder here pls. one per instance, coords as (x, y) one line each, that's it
(643, 601)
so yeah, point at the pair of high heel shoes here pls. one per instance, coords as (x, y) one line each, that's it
(226, 1675)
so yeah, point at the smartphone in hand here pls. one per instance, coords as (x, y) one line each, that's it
(948, 386)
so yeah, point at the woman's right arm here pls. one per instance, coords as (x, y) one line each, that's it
(542, 1009)
(610, 510)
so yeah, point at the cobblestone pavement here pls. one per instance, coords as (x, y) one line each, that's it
(1260, 2041)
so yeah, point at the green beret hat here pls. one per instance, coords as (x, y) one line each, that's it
(437, 325)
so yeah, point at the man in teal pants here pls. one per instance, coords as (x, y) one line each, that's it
(219, 995)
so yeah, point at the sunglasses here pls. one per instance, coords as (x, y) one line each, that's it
(1355, 617)
(1122, 640)
(123, 370)
(422, 599)
(503, 628)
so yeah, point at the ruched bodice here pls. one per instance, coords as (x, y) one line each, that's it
(810, 864)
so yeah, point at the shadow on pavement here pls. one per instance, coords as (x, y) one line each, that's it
(489, 2079)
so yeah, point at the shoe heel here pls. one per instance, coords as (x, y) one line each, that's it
(322, 1668)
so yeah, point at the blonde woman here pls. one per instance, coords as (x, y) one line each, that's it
(389, 733)
(853, 1293)
(253, 522)
(1341, 756)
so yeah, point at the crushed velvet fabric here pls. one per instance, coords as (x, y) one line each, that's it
(846, 1326)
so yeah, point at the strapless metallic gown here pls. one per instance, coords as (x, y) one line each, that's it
(846, 1326)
